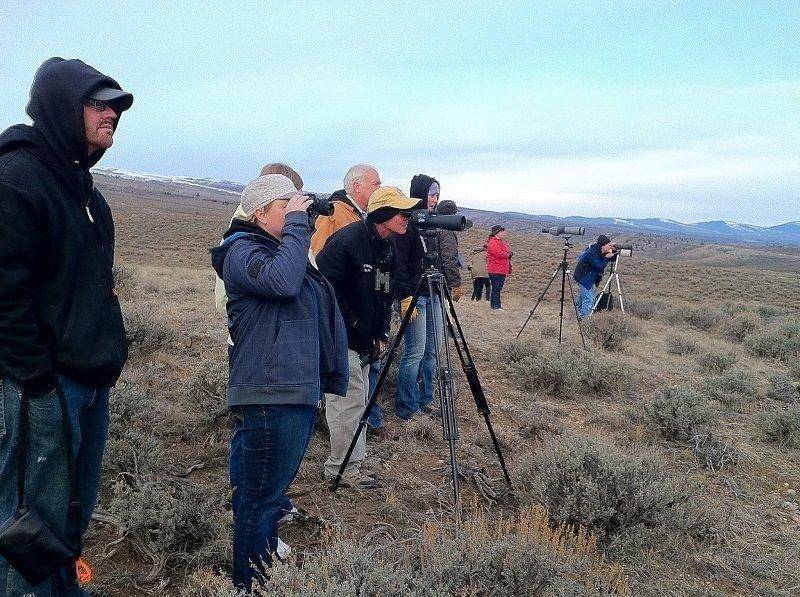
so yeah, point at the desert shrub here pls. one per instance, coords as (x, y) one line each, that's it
(147, 333)
(780, 426)
(681, 345)
(174, 518)
(644, 309)
(612, 330)
(737, 326)
(782, 388)
(124, 278)
(133, 451)
(781, 341)
(583, 482)
(566, 372)
(539, 421)
(714, 453)
(794, 369)
(524, 556)
(732, 388)
(703, 318)
(715, 362)
(769, 311)
(513, 351)
(675, 412)
(207, 391)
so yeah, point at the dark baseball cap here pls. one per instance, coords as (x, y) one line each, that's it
(120, 99)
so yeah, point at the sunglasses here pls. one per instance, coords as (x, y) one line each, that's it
(407, 213)
(97, 104)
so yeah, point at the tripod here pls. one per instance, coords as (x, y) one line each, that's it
(563, 267)
(607, 289)
(433, 280)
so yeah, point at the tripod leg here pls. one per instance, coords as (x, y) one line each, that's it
(541, 297)
(445, 385)
(606, 289)
(563, 267)
(577, 315)
(378, 385)
(619, 291)
(471, 373)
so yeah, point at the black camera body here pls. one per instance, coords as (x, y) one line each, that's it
(425, 220)
(320, 206)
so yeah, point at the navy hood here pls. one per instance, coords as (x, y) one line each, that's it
(419, 188)
(56, 107)
(238, 229)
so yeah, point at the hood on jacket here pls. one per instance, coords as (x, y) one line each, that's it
(419, 188)
(56, 108)
(238, 229)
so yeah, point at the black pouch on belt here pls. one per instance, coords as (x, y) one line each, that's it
(34, 549)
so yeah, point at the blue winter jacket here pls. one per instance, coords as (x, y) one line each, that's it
(289, 339)
(590, 268)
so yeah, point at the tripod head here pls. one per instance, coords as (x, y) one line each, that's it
(431, 243)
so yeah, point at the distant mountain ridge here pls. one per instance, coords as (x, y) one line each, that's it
(715, 230)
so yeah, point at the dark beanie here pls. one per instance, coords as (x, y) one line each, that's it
(446, 207)
(496, 228)
(382, 215)
(603, 240)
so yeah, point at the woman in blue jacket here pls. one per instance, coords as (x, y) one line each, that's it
(589, 272)
(289, 346)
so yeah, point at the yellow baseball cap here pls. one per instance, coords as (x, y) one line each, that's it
(384, 197)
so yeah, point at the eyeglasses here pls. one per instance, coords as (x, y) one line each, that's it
(97, 104)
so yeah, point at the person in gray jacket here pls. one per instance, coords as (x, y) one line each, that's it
(448, 250)
(479, 273)
(289, 346)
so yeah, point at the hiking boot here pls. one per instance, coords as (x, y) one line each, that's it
(435, 413)
(359, 481)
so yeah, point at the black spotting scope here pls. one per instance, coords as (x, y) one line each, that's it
(565, 230)
(623, 249)
(425, 220)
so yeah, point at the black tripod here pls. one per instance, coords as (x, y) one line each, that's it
(563, 267)
(608, 290)
(433, 280)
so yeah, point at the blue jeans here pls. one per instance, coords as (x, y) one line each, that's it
(418, 365)
(268, 444)
(498, 281)
(375, 418)
(586, 298)
(47, 479)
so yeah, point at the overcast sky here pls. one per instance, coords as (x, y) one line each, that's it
(684, 110)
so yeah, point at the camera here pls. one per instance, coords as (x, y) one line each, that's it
(565, 230)
(425, 220)
(320, 206)
(624, 250)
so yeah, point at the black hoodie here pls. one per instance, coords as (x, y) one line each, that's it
(59, 311)
(410, 251)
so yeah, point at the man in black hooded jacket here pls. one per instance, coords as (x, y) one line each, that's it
(62, 339)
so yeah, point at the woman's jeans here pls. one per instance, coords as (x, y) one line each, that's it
(478, 285)
(498, 280)
(418, 366)
(47, 479)
(586, 297)
(268, 444)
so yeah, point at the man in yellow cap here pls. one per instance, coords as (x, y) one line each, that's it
(358, 261)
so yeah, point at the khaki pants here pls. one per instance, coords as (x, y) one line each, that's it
(343, 414)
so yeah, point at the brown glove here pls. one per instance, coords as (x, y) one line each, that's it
(404, 305)
(456, 293)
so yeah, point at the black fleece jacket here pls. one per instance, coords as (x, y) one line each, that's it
(359, 264)
(410, 250)
(59, 311)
